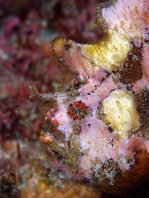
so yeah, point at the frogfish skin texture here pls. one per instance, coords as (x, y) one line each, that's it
(97, 128)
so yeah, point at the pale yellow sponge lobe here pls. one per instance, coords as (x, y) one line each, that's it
(110, 52)
(119, 111)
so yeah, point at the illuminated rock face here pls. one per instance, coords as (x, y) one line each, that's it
(95, 128)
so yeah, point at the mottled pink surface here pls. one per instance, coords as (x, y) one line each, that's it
(145, 62)
(130, 17)
(65, 122)
(98, 91)
(98, 142)
(144, 82)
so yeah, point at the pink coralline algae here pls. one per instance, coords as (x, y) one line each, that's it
(102, 131)
(24, 59)
(78, 19)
